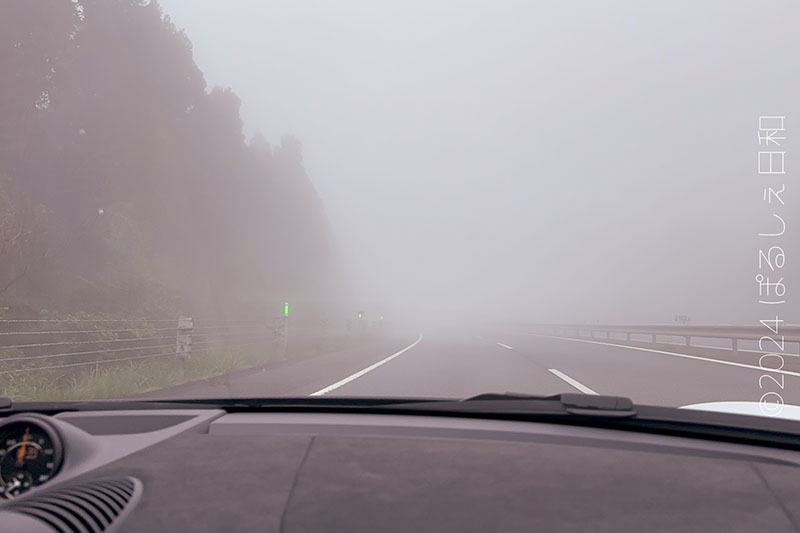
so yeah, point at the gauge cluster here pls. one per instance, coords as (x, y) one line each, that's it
(37, 450)
(31, 453)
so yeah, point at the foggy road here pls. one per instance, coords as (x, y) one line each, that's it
(439, 365)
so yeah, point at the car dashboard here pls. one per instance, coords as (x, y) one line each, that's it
(213, 470)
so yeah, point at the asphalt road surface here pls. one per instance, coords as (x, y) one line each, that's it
(457, 366)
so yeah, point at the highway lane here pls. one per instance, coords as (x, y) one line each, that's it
(458, 366)
(297, 377)
(448, 366)
(648, 376)
(520, 362)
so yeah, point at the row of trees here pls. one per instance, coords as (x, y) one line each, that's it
(127, 186)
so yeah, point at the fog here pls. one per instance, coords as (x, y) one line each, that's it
(554, 161)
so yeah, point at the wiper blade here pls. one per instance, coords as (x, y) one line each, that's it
(491, 403)
(559, 405)
(569, 403)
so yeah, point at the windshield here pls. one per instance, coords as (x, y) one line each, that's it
(204, 199)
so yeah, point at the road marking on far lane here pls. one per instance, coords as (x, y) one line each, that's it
(370, 368)
(577, 384)
(673, 354)
(504, 345)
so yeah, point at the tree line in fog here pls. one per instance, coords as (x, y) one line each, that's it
(127, 185)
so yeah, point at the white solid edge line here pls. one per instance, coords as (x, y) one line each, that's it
(722, 348)
(578, 385)
(674, 354)
(785, 354)
(504, 345)
(370, 368)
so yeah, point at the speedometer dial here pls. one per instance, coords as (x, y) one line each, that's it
(30, 454)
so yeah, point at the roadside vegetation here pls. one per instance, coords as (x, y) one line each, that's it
(127, 184)
(129, 378)
(129, 189)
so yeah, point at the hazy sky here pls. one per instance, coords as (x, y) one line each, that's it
(552, 160)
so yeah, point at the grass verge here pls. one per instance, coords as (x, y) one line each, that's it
(129, 378)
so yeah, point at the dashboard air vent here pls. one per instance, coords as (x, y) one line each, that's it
(90, 507)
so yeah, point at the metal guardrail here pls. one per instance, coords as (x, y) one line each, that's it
(30, 345)
(43, 345)
(786, 333)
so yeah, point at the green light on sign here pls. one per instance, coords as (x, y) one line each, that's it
(360, 315)
(286, 309)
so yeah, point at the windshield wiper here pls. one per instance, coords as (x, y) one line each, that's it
(565, 403)
(491, 403)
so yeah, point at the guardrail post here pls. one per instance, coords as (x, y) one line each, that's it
(688, 340)
(627, 336)
(654, 338)
(183, 346)
(735, 345)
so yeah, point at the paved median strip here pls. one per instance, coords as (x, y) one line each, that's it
(575, 383)
(370, 368)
